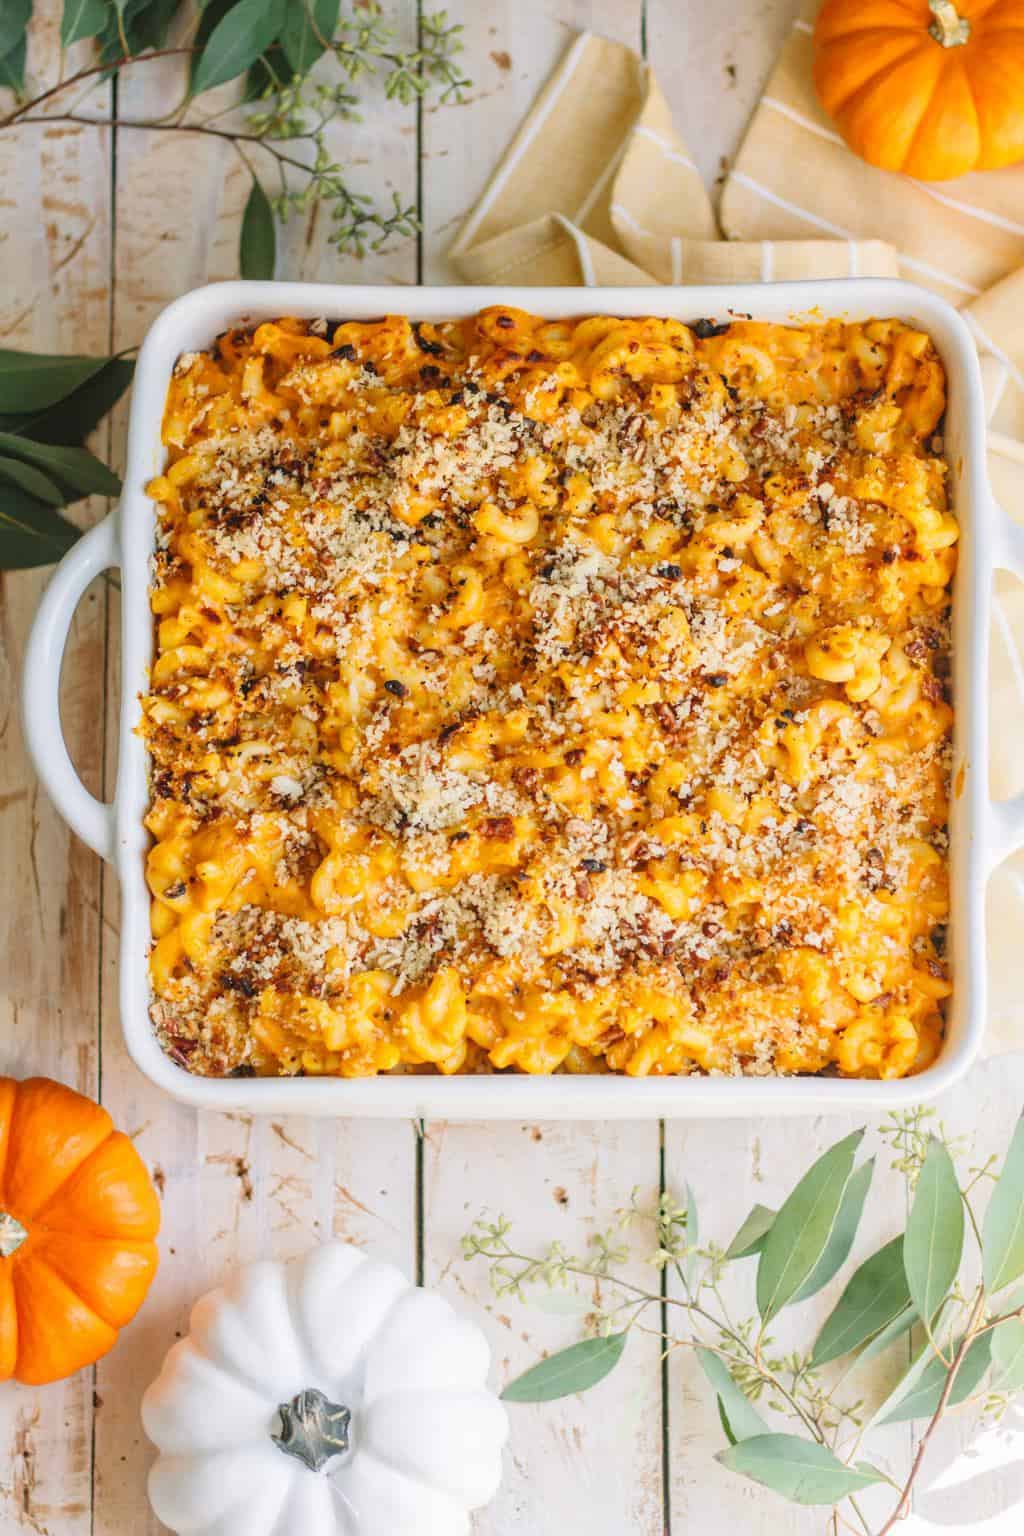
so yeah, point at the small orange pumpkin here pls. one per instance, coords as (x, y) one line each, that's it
(931, 88)
(78, 1218)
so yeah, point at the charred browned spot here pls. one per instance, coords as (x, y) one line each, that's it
(502, 829)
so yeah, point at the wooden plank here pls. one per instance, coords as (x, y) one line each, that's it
(733, 1165)
(712, 62)
(589, 1463)
(980, 1467)
(55, 230)
(234, 1188)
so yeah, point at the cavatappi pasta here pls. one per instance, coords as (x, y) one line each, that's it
(548, 695)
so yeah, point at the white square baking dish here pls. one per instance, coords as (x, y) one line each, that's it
(982, 831)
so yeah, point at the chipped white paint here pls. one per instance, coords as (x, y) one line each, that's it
(233, 1188)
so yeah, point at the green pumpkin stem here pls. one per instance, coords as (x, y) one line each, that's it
(313, 1429)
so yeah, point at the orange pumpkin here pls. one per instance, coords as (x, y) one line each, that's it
(78, 1218)
(932, 88)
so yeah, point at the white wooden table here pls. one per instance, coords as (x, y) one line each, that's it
(98, 231)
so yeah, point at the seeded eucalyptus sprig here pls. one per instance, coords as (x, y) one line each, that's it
(48, 407)
(790, 1420)
(269, 47)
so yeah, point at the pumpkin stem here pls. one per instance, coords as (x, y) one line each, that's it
(313, 1429)
(949, 28)
(12, 1235)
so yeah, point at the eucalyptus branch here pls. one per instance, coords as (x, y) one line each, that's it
(799, 1249)
(83, 74)
(970, 1333)
(279, 102)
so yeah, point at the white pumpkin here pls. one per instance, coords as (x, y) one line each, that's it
(324, 1397)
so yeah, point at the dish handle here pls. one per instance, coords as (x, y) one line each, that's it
(95, 552)
(1006, 817)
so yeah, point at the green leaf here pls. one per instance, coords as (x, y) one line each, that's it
(742, 1417)
(31, 533)
(751, 1235)
(12, 68)
(72, 419)
(82, 18)
(150, 25)
(31, 381)
(571, 1370)
(1008, 1356)
(934, 1239)
(922, 1397)
(257, 243)
(692, 1236)
(237, 41)
(875, 1296)
(32, 480)
(837, 1249)
(76, 468)
(14, 15)
(801, 1231)
(801, 1470)
(309, 27)
(723, 1419)
(1002, 1233)
(888, 1335)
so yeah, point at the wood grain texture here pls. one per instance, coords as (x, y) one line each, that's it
(55, 241)
(234, 1188)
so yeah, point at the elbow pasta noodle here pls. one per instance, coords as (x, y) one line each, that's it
(552, 695)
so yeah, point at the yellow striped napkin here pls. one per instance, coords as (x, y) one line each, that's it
(597, 188)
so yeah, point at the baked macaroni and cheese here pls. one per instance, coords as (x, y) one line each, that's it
(552, 695)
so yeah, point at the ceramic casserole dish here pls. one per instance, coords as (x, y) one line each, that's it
(982, 832)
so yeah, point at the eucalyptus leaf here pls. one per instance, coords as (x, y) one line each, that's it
(1008, 1356)
(934, 1240)
(751, 1235)
(31, 533)
(72, 419)
(801, 1231)
(887, 1336)
(32, 480)
(723, 1419)
(692, 1237)
(12, 68)
(1002, 1233)
(82, 18)
(571, 1370)
(922, 1397)
(150, 24)
(743, 1418)
(80, 471)
(236, 42)
(837, 1249)
(257, 242)
(801, 1470)
(14, 16)
(32, 381)
(308, 30)
(876, 1294)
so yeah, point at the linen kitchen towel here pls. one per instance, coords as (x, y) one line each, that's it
(597, 188)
